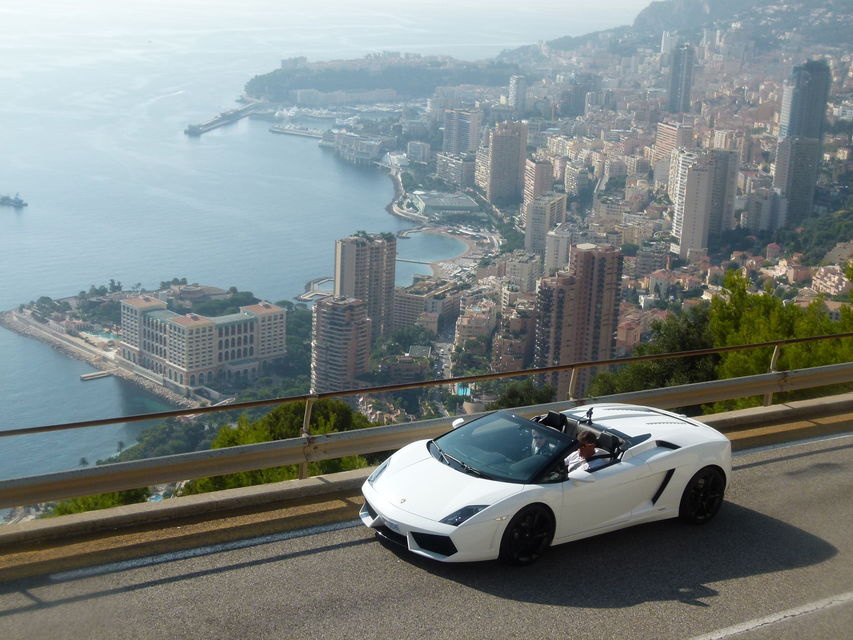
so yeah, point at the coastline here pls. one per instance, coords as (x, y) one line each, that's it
(438, 267)
(80, 350)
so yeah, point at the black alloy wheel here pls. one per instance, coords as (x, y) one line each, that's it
(702, 496)
(527, 535)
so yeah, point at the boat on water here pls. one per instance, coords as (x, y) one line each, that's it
(16, 202)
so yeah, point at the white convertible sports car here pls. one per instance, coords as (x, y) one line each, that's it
(498, 486)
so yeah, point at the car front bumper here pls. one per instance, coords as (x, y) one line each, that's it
(467, 542)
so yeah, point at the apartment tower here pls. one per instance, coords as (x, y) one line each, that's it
(801, 127)
(365, 268)
(543, 214)
(340, 344)
(680, 78)
(538, 178)
(499, 168)
(517, 95)
(461, 131)
(702, 186)
(577, 314)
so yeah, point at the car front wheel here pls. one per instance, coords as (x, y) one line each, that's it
(702, 496)
(527, 535)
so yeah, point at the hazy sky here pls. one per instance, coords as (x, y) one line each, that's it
(74, 14)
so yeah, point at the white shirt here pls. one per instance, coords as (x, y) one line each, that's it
(576, 461)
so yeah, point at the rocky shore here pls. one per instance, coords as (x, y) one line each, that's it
(79, 349)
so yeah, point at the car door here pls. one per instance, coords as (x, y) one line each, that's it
(604, 498)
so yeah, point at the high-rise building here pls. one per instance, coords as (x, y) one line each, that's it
(517, 95)
(801, 127)
(723, 192)
(365, 268)
(543, 214)
(668, 137)
(340, 344)
(455, 169)
(702, 187)
(557, 243)
(461, 130)
(804, 100)
(577, 178)
(499, 168)
(577, 314)
(680, 78)
(795, 175)
(538, 178)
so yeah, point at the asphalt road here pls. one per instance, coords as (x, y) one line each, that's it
(777, 562)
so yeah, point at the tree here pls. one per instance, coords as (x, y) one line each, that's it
(679, 332)
(745, 318)
(285, 421)
(522, 393)
(100, 501)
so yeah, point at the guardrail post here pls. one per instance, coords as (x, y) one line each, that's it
(306, 433)
(768, 397)
(573, 381)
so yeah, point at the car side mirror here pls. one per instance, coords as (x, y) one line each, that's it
(457, 423)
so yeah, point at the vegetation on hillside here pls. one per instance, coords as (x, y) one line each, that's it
(736, 318)
(327, 416)
(408, 80)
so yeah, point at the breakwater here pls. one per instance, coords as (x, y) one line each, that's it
(76, 348)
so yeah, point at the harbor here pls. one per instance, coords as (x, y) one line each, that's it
(226, 117)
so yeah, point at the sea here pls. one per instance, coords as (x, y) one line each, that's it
(94, 98)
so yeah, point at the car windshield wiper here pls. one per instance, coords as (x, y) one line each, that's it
(446, 458)
(441, 455)
(467, 467)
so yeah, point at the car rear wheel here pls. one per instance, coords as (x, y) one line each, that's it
(702, 496)
(527, 535)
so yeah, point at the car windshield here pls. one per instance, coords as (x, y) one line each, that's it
(501, 446)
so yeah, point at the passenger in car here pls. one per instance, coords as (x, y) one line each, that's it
(579, 459)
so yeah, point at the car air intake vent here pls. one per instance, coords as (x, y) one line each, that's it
(437, 544)
(370, 510)
(393, 536)
(676, 423)
(666, 445)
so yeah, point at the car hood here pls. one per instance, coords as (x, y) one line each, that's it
(416, 482)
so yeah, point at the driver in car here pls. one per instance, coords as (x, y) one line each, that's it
(540, 445)
(580, 458)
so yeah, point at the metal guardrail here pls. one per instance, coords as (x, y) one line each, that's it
(308, 447)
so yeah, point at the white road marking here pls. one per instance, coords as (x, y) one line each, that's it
(147, 561)
(812, 607)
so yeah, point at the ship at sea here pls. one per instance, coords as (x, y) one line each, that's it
(16, 202)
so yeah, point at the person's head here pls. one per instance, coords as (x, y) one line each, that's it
(587, 441)
(539, 439)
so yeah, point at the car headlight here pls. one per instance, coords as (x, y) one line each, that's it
(373, 477)
(458, 517)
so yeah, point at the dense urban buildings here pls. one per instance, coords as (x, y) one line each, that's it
(577, 155)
